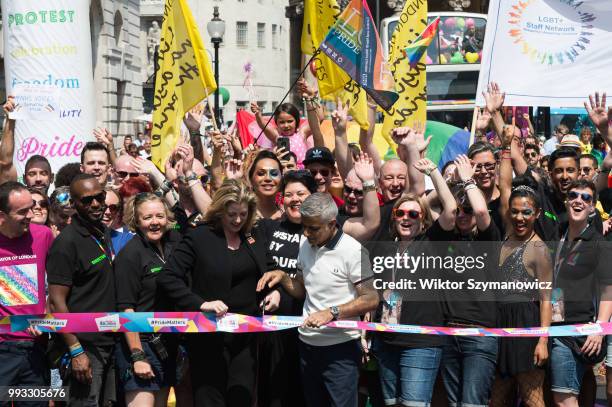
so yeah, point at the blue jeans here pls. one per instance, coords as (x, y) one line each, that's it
(23, 363)
(468, 369)
(566, 371)
(330, 374)
(407, 375)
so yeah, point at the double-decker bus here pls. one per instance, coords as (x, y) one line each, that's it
(453, 64)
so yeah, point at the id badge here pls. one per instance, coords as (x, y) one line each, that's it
(558, 305)
(392, 307)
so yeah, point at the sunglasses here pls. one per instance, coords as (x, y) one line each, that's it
(124, 174)
(43, 203)
(586, 170)
(88, 200)
(63, 198)
(324, 172)
(468, 210)
(573, 195)
(270, 172)
(533, 154)
(486, 166)
(113, 208)
(401, 213)
(357, 192)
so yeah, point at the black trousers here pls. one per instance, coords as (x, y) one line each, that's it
(222, 367)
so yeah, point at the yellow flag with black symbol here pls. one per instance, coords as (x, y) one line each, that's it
(183, 79)
(410, 82)
(333, 82)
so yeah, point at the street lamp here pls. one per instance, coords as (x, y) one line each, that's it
(216, 30)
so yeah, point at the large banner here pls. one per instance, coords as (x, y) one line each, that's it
(548, 52)
(48, 68)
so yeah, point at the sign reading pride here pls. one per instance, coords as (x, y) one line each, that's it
(48, 69)
(198, 322)
(547, 52)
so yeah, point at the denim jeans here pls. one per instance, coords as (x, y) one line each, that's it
(23, 364)
(565, 370)
(468, 369)
(330, 374)
(407, 375)
(102, 387)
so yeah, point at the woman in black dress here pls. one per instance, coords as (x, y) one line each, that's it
(223, 258)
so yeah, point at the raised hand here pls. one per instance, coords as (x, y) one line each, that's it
(340, 116)
(419, 136)
(507, 135)
(233, 168)
(255, 108)
(601, 118)
(185, 151)
(465, 170)
(494, 97)
(364, 168)
(217, 139)
(171, 173)
(304, 89)
(104, 136)
(143, 166)
(9, 105)
(483, 119)
(425, 166)
(193, 120)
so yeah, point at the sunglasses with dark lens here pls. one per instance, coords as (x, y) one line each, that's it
(357, 192)
(586, 170)
(113, 208)
(88, 200)
(43, 203)
(533, 154)
(468, 210)
(486, 166)
(270, 172)
(124, 174)
(401, 213)
(573, 195)
(324, 172)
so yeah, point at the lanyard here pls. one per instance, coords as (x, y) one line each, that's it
(558, 260)
(112, 254)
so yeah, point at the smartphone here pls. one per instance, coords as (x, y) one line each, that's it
(283, 142)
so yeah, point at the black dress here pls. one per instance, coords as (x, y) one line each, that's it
(517, 310)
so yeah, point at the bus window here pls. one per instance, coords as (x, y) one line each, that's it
(451, 86)
(461, 39)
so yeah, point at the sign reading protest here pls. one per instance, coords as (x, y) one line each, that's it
(547, 52)
(48, 69)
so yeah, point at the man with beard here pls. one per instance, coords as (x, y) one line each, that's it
(80, 277)
(38, 174)
(532, 155)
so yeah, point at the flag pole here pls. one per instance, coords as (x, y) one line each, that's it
(288, 92)
(212, 114)
(473, 129)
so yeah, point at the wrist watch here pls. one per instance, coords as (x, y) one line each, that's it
(368, 186)
(335, 311)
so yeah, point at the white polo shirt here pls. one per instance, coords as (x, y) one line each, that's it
(330, 274)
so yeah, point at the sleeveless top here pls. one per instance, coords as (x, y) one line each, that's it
(513, 270)
(299, 145)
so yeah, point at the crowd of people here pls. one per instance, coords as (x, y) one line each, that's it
(292, 231)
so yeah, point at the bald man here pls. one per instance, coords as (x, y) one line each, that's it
(392, 179)
(123, 169)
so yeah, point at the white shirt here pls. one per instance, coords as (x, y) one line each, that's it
(550, 145)
(330, 275)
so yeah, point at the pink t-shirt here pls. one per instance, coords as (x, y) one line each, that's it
(297, 144)
(22, 275)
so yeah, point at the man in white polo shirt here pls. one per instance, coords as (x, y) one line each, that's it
(334, 275)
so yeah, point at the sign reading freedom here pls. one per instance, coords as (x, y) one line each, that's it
(547, 52)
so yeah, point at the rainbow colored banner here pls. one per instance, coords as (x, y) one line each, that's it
(447, 142)
(417, 48)
(354, 45)
(198, 322)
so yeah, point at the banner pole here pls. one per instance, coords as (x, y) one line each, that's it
(473, 129)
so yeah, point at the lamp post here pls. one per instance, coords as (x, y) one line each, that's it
(216, 30)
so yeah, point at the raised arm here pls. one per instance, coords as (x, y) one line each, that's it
(413, 143)
(216, 167)
(7, 146)
(270, 132)
(366, 139)
(449, 205)
(201, 199)
(474, 194)
(494, 99)
(505, 173)
(313, 111)
(104, 136)
(341, 151)
(600, 116)
(363, 228)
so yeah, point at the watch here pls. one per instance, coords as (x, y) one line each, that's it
(335, 311)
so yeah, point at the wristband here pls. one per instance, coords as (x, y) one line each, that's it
(192, 177)
(369, 183)
(138, 356)
(76, 351)
(470, 187)
(468, 182)
(428, 172)
(368, 188)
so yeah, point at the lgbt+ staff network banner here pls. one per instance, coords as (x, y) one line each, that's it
(48, 68)
(547, 52)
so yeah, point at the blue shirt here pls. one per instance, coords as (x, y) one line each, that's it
(120, 238)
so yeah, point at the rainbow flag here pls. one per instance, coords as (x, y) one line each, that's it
(417, 48)
(354, 45)
(447, 142)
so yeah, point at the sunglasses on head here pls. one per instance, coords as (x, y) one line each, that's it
(63, 198)
(43, 203)
(124, 174)
(324, 172)
(468, 210)
(357, 192)
(401, 213)
(270, 172)
(88, 200)
(573, 195)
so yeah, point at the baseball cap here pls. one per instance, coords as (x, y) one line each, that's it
(319, 155)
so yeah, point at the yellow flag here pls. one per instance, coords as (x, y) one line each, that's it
(409, 82)
(183, 79)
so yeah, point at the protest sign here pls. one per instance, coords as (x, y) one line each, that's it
(547, 52)
(48, 46)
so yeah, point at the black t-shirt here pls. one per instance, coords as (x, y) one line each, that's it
(136, 269)
(184, 222)
(582, 270)
(496, 215)
(427, 313)
(83, 262)
(463, 306)
(243, 297)
(284, 245)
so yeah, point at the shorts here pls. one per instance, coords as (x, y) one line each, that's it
(167, 372)
(566, 370)
(609, 354)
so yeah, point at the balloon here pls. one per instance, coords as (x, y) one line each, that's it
(443, 59)
(460, 23)
(470, 23)
(225, 95)
(457, 58)
(472, 57)
(450, 23)
(313, 68)
(480, 55)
